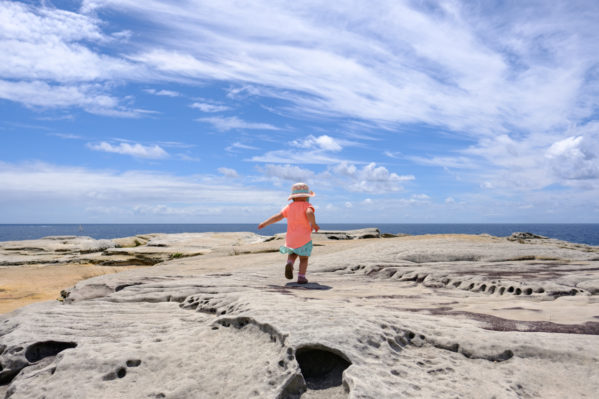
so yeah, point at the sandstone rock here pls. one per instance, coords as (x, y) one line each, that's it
(524, 236)
(418, 316)
(341, 235)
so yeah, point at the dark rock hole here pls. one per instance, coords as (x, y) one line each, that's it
(40, 350)
(133, 362)
(321, 368)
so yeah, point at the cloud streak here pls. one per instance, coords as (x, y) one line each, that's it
(441, 66)
(224, 124)
(89, 187)
(135, 150)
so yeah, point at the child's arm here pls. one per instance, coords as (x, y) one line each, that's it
(271, 220)
(312, 219)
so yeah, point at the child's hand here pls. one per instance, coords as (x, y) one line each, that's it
(315, 227)
(260, 226)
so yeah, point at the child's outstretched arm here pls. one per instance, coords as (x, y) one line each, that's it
(312, 219)
(271, 220)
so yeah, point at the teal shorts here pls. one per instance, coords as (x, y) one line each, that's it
(304, 250)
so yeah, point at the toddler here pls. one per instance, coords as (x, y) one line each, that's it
(300, 223)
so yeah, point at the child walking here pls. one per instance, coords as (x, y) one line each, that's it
(300, 223)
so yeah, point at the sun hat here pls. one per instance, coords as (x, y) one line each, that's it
(299, 190)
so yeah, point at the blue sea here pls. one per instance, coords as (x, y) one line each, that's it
(578, 233)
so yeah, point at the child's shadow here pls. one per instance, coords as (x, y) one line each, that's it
(308, 286)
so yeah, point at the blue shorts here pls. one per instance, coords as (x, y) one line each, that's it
(304, 250)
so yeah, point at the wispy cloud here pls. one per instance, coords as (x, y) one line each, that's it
(205, 107)
(324, 142)
(167, 93)
(90, 97)
(454, 66)
(341, 178)
(230, 123)
(368, 179)
(239, 146)
(228, 172)
(287, 172)
(308, 150)
(67, 136)
(80, 188)
(297, 157)
(135, 150)
(457, 162)
(440, 67)
(47, 62)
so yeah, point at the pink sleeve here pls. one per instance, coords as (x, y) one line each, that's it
(310, 207)
(284, 211)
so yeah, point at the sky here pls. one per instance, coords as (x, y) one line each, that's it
(400, 111)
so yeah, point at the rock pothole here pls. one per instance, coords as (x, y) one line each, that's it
(40, 350)
(321, 367)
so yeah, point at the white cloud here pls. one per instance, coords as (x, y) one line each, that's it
(38, 187)
(67, 136)
(297, 157)
(90, 97)
(463, 68)
(348, 204)
(167, 93)
(288, 172)
(449, 200)
(47, 62)
(369, 179)
(229, 123)
(310, 150)
(324, 142)
(239, 146)
(228, 172)
(395, 61)
(47, 43)
(136, 150)
(421, 197)
(392, 154)
(205, 107)
(575, 158)
(187, 211)
(453, 162)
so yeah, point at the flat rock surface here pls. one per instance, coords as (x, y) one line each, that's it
(34, 270)
(436, 316)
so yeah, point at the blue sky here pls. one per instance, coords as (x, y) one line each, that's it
(206, 112)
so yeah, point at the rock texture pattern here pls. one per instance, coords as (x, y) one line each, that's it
(419, 316)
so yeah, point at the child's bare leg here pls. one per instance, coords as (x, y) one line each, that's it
(303, 264)
(303, 267)
(291, 258)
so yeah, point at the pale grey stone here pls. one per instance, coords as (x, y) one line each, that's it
(420, 316)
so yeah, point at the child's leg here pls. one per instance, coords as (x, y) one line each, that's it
(303, 267)
(291, 259)
(289, 266)
(303, 264)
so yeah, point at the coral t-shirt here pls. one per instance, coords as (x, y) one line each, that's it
(298, 227)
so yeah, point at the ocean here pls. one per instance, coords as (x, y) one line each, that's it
(578, 233)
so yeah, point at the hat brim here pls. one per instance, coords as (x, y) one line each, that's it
(301, 195)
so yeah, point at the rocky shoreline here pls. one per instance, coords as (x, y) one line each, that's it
(439, 316)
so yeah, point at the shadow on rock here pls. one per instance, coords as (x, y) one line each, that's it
(308, 286)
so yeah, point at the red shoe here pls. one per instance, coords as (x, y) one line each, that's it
(302, 280)
(289, 271)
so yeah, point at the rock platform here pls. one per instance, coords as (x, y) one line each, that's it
(434, 316)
